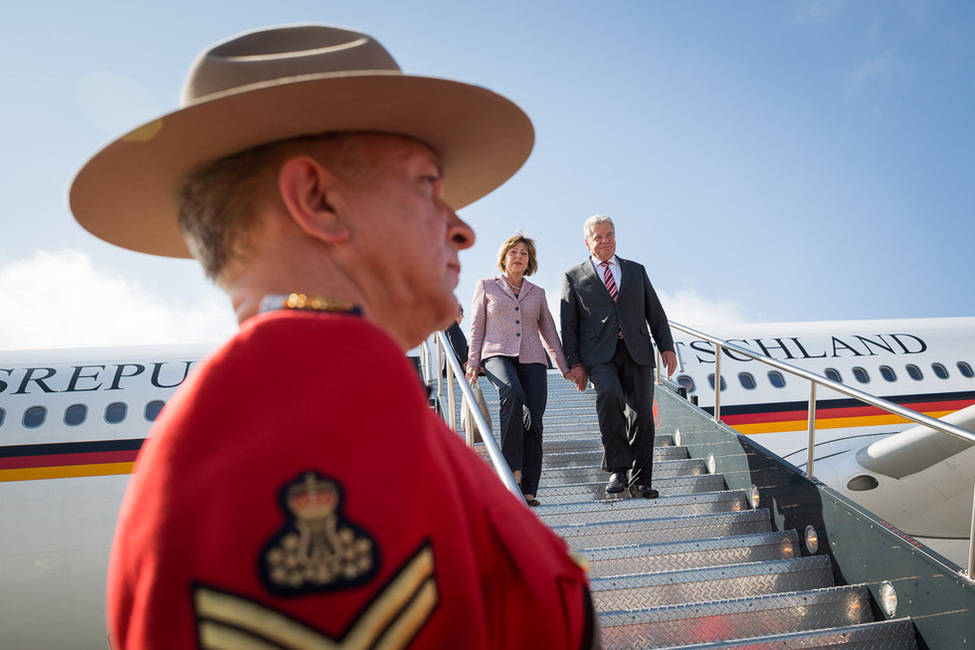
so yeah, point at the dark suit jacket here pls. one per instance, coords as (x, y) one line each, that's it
(591, 320)
(457, 340)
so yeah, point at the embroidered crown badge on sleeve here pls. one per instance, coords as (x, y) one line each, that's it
(317, 549)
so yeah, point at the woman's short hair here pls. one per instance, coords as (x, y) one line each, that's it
(511, 242)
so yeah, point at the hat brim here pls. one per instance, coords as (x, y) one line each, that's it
(127, 193)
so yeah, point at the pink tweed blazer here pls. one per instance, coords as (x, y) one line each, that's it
(505, 325)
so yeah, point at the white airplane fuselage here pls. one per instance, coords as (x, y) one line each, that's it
(72, 422)
(926, 365)
(71, 425)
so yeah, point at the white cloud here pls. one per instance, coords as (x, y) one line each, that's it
(817, 11)
(875, 74)
(878, 71)
(688, 307)
(60, 299)
(114, 103)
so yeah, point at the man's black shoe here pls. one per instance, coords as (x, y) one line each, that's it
(617, 483)
(647, 492)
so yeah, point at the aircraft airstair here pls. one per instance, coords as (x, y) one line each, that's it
(740, 550)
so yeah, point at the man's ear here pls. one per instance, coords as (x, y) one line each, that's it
(309, 191)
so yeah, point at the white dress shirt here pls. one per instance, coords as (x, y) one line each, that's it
(614, 267)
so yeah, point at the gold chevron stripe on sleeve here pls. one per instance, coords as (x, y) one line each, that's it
(389, 622)
(214, 636)
(412, 618)
(393, 600)
(224, 613)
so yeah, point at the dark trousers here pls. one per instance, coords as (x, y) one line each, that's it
(523, 393)
(624, 407)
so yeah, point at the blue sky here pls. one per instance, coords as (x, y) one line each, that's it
(767, 161)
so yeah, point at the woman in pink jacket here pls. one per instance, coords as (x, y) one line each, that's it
(510, 323)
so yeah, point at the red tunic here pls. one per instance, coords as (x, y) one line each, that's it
(298, 490)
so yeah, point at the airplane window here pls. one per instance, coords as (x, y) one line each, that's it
(914, 372)
(963, 368)
(776, 378)
(153, 408)
(888, 373)
(115, 412)
(3, 414)
(75, 414)
(686, 382)
(940, 370)
(834, 374)
(724, 384)
(747, 380)
(861, 375)
(34, 417)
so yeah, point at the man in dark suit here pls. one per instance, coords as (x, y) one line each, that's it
(458, 342)
(608, 311)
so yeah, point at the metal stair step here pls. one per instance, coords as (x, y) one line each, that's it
(896, 634)
(593, 457)
(663, 469)
(700, 585)
(732, 620)
(673, 556)
(586, 441)
(697, 567)
(646, 531)
(641, 509)
(589, 492)
(556, 442)
(565, 412)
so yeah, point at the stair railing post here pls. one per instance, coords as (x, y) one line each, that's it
(660, 360)
(490, 444)
(451, 411)
(812, 428)
(442, 363)
(717, 384)
(971, 546)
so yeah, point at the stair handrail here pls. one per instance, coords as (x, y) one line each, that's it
(444, 351)
(819, 380)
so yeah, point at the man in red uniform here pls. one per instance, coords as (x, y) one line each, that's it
(298, 491)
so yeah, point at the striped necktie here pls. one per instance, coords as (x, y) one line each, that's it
(609, 281)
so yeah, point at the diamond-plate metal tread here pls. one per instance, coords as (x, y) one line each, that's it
(649, 531)
(685, 505)
(556, 443)
(711, 583)
(896, 634)
(663, 469)
(587, 442)
(589, 492)
(593, 457)
(575, 414)
(695, 568)
(673, 556)
(737, 618)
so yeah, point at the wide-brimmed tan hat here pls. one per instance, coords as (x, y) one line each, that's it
(281, 82)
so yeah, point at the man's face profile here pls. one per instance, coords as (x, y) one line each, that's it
(406, 238)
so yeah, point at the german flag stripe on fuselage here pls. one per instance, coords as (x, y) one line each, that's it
(112, 457)
(68, 459)
(838, 413)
